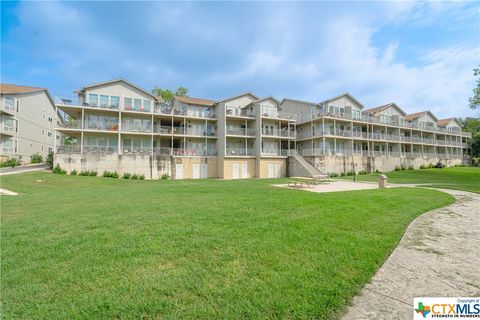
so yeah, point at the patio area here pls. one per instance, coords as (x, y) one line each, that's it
(335, 186)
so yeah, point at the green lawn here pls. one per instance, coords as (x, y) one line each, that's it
(85, 247)
(466, 178)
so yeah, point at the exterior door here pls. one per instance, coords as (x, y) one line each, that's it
(179, 171)
(204, 171)
(244, 170)
(277, 170)
(271, 170)
(196, 171)
(235, 171)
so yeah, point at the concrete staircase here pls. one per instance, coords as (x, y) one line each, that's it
(299, 167)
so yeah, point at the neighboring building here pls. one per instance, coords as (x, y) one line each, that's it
(338, 135)
(117, 126)
(27, 122)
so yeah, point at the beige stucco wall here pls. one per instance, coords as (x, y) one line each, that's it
(188, 162)
(263, 166)
(228, 167)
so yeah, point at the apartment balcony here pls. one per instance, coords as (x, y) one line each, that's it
(7, 108)
(239, 112)
(406, 138)
(278, 133)
(87, 149)
(428, 141)
(204, 132)
(441, 142)
(417, 139)
(77, 124)
(209, 114)
(168, 129)
(7, 150)
(239, 152)
(146, 109)
(166, 151)
(275, 152)
(192, 152)
(101, 125)
(7, 129)
(240, 132)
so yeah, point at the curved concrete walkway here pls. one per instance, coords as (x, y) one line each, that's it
(439, 256)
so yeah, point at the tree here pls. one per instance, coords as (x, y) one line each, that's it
(472, 125)
(475, 100)
(168, 95)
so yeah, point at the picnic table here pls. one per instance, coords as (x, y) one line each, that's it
(308, 181)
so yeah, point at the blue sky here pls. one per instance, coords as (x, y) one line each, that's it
(417, 54)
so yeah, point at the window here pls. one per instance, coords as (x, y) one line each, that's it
(42, 148)
(103, 101)
(50, 149)
(43, 132)
(50, 134)
(127, 103)
(114, 102)
(147, 105)
(9, 102)
(43, 115)
(92, 100)
(137, 104)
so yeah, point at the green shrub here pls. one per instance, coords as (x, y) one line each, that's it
(93, 173)
(165, 176)
(362, 172)
(134, 176)
(59, 170)
(403, 167)
(108, 174)
(377, 171)
(422, 166)
(115, 175)
(410, 168)
(11, 162)
(141, 177)
(127, 175)
(333, 175)
(49, 159)
(36, 158)
(83, 173)
(73, 172)
(343, 174)
(397, 168)
(349, 173)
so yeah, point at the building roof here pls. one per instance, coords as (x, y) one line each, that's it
(445, 122)
(238, 96)
(420, 114)
(113, 81)
(346, 94)
(14, 88)
(196, 101)
(384, 107)
(299, 101)
(6, 88)
(267, 98)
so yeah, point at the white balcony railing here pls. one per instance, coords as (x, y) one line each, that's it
(229, 151)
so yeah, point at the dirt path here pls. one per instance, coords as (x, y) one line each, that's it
(439, 256)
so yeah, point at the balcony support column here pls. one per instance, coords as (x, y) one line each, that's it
(119, 142)
(55, 132)
(81, 142)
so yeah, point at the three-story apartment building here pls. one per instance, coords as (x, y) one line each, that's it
(117, 126)
(27, 116)
(339, 135)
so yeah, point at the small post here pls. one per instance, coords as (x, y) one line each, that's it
(382, 181)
